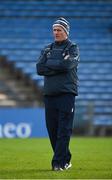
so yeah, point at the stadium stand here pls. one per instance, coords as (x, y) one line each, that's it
(13, 91)
(26, 27)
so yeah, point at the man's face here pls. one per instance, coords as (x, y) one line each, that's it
(59, 34)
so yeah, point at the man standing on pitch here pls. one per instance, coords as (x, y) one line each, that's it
(58, 64)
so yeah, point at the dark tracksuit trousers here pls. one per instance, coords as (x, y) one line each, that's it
(59, 111)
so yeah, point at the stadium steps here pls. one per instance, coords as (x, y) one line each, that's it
(14, 92)
(6, 98)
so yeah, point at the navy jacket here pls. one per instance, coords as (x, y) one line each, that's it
(58, 64)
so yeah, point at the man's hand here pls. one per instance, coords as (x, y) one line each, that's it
(66, 57)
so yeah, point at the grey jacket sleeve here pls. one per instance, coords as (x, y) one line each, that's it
(70, 60)
(41, 67)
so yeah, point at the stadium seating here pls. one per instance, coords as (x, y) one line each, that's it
(26, 27)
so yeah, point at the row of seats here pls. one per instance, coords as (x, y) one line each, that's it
(79, 22)
(91, 75)
(12, 43)
(36, 5)
(97, 110)
(33, 52)
(94, 67)
(64, 12)
(80, 2)
(31, 58)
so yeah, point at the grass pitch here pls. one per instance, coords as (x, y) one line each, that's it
(30, 159)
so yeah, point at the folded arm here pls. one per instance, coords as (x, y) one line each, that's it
(70, 61)
(41, 67)
(49, 67)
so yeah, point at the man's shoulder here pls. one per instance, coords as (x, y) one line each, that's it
(48, 46)
(72, 43)
(74, 46)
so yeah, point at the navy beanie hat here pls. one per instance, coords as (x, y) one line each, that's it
(62, 22)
